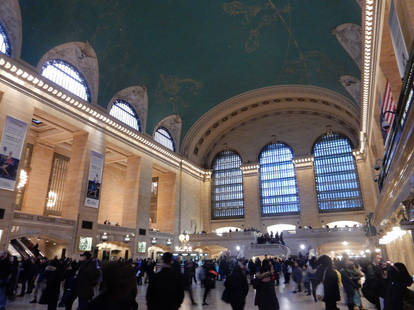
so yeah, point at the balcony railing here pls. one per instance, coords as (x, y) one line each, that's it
(404, 105)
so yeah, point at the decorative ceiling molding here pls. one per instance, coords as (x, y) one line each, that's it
(350, 37)
(83, 57)
(352, 86)
(137, 97)
(173, 124)
(11, 19)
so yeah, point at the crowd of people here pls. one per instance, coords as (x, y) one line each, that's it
(113, 285)
(271, 238)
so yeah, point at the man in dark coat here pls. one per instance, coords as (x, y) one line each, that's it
(5, 273)
(236, 287)
(329, 277)
(87, 278)
(165, 289)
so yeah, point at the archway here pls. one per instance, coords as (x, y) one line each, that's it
(279, 228)
(110, 251)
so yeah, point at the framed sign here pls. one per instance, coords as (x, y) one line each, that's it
(142, 246)
(85, 243)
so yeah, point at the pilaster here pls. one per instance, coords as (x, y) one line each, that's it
(251, 192)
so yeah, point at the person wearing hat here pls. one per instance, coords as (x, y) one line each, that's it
(166, 288)
(87, 279)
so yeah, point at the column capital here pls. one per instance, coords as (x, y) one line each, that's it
(250, 169)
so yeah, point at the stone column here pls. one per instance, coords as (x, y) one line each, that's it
(132, 179)
(166, 206)
(144, 195)
(40, 168)
(75, 177)
(367, 185)
(251, 191)
(309, 212)
(205, 204)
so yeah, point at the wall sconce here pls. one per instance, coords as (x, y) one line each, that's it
(104, 236)
(154, 240)
(168, 241)
(127, 238)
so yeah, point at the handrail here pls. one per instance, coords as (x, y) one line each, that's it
(404, 105)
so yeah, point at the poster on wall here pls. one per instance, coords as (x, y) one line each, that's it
(11, 146)
(142, 247)
(85, 243)
(398, 42)
(94, 180)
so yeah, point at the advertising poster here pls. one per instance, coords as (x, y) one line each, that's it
(142, 247)
(11, 146)
(85, 244)
(94, 180)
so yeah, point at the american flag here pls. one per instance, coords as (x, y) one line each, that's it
(388, 106)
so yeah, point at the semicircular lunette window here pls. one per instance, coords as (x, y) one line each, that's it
(227, 188)
(337, 183)
(5, 47)
(278, 186)
(67, 76)
(123, 111)
(163, 137)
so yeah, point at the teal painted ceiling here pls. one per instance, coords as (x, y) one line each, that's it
(193, 54)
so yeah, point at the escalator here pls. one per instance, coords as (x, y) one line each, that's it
(19, 248)
(33, 248)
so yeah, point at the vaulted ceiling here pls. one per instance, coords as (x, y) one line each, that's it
(192, 55)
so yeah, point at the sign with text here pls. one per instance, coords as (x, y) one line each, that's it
(94, 180)
(11, 146)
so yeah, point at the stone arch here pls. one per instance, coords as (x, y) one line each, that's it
(83, 57)
(173, 124)
(11, 19)
(137, 97)
(350, 37)
(275, 103)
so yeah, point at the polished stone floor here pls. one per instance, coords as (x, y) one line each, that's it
(287, 300)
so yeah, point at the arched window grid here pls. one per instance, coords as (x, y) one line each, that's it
(227, 189)
(123, 112)
(67, 76)
(163, 137)
(5, 47)
(278, 185)
(336, 176)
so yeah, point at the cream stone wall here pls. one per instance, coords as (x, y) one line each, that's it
(402, 250)
(112, 197)
(191, 214)
(166, 206)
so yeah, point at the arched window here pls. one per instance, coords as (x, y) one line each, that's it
(66, 76)
(337, 184)
(123, 111)
(227, 189)
(163, 137)
(5, 47)
(278, 188)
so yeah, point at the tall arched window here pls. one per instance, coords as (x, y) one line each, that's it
(67, 76)
(5, 47)
(123, 111)
(227, 188)
(163, 137)
(278, 187)
(337, 184)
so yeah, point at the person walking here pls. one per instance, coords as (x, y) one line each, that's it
(209, 279)
(188, 279)
(398, 279)
(236, 287)
(53, 276)
(374, 285)
(119, 288)
(312, 268)
(265, 288)
(5, 274)
(165, 289)
(327, 275)
(297, 277)
(87, 279)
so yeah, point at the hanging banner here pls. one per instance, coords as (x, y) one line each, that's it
(11, 146)
(94, 180)
(400, 48)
